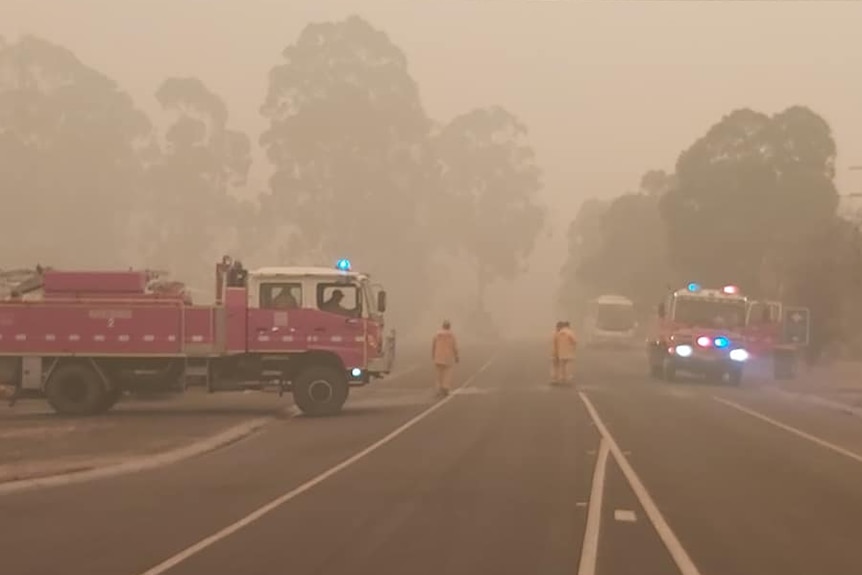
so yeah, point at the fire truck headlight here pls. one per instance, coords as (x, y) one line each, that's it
(356, 372)
(683, 350)
(738, 355)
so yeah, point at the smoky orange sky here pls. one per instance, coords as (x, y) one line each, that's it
(608, 89)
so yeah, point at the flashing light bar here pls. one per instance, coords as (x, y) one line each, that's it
(721, 342)
(704, 341)
(730, 290)
(693, 287)
(343, 265)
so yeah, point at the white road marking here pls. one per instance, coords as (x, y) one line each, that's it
(625, 515)
(590, 548)
(821, 401)
(812, 438)
(472, 391)
(670, 540)
(175, 560)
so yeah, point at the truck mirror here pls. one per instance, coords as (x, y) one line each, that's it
(381, 301)
(661, 310)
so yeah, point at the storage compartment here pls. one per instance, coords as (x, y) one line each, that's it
(128, 282)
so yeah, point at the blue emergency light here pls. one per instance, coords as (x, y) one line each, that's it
(343, 265)
(721, 342)
(693, 287)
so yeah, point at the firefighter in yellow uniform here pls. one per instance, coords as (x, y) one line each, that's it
(444, 354)
(562, 353)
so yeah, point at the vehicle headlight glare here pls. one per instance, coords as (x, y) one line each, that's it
(683, 350)
(738, 355)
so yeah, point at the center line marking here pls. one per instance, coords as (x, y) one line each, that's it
(625, 515)
(281, 500)
(590, 548)
(670, 540)
(812, 438)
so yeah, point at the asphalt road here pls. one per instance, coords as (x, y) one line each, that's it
(620, 475)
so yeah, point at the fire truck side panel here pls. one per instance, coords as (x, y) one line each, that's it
(91, 329)
(344, 336)
(278, 330)
(199, 330)
(236, 320)
(92, 282)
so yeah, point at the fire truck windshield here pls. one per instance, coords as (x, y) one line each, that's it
(719, 314)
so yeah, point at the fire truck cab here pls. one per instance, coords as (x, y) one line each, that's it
(700, 331)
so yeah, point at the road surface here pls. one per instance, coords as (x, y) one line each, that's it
(621, 475)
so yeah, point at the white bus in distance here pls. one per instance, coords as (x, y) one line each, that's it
(610, 322)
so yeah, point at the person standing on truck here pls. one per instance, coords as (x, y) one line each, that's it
(444, 354)
(562, 353)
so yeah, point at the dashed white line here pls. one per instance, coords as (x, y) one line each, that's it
(175, 560)
(668, 537)
(789, 428)
(590, 548)
(625, 515)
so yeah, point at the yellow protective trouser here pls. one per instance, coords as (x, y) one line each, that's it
(444, 377)
(560, 370)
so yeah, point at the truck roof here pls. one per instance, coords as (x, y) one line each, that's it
(305, 271)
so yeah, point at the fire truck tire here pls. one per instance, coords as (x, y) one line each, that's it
(76, 389)
(320, 391)
(110, 399)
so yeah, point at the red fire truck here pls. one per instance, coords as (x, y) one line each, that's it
(83, 338)
(700, 331)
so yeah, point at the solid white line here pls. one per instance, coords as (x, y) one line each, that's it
(625, 515)
(670, 540)
(281, 500)
(814, 439)
(590, 548)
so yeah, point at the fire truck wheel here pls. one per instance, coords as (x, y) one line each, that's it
(75, 389)
(320, 390)
(111, 397)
